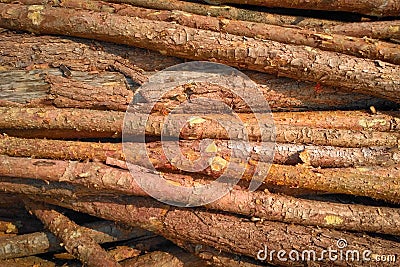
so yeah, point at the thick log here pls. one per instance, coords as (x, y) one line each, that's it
(286, 154)
(79, 123)
(253, 204)
(359, 47)
(28, 52)
(73, 236)
(380, 8)
(298, 62)
(44, 242)
(229, 233)
(108, 90)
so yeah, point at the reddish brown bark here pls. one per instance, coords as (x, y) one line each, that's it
(330, 42)
(287, 60)
(375, 29)
(259, 204)
(27, 262)
(79, 123)
(380, 8)
(228, 233)
(43, 242)
(230, 13)
(108, 90)
(174, 258)
(72, 235)
(287, 154)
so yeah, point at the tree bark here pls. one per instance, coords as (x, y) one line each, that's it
(374, 29)
(253, 204)
(226, 232)
(230, 12)
(108, 90)
(298, 62)
(28, 52)
(79, 123)
(358, 47)
(380, 8)
(72, 235)
(27, 262)
(286, 154)
(44, 242)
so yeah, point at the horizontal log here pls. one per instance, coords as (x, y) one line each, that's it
(257, 204)
(287, 154)
(296, 62)
(111, 91)
(79, 123)
(330, 42)
(380, 8)
(375, 29)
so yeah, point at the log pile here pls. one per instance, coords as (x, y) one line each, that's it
(86, 152)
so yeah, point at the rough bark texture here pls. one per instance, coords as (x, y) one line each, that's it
(173, 258)
(375, 29)
(29, 52)
(72, 235)
(230, 13)
(27, 262)
(257, 204)
(381, 8)
(43, 242)
(299, 62)
(216, 230)
(108, 90)
(286, 154)
(79, 123)
(330, 42)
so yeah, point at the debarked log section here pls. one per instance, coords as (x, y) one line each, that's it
(298, 62)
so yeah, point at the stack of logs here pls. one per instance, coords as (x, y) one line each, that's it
(69, 70)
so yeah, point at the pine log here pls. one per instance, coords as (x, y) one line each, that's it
(230, 12)
(380, 8)
(286, 154)
(111, 91)
(72, 235)
(298, 62)
(43, 242)
(79, 123)
(253, 204)
(359, 47)
(28, 52)
(375, 29)
(226, 232)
